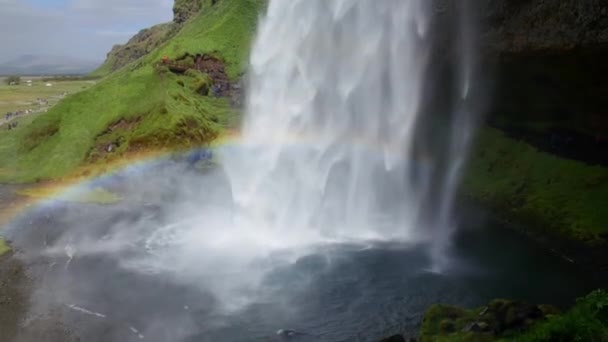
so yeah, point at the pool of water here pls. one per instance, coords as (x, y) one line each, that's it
(106, 274)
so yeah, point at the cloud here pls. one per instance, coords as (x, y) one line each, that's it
(79, 28)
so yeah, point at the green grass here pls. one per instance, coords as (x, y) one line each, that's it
(587, 321)
(443, 323)
(19, 97)
(4, 248)
(559, 195)
(227, 29)
(170, 113)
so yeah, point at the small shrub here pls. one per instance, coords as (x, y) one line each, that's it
(587, 321)
(38, 134)
(13, 80)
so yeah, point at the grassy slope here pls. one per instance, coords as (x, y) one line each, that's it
(560, 195)
(171, 115)
(4, 248)
(586, 321)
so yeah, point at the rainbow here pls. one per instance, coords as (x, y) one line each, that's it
(86, 183)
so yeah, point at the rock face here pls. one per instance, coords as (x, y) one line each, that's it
(546, 25)
(548, 65)
(537, 25)
(184, 10)
(149, 39)
(140, 45)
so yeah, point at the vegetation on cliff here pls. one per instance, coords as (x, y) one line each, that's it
(141, 106)
(140, 45)
(556, 195)
(151, 38)
(506, 320)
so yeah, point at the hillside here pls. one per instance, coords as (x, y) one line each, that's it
(140, 45)
(142, 106)
(149, 39)
(47, 65)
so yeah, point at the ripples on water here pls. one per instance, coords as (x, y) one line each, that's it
(124, 268)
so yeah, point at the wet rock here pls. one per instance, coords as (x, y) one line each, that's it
(473, 327)
(394, 338)
(549, 310)
(499, 317)
(483, 326)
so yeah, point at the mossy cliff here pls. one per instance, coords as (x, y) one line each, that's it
(151, 38)
(555, 194)
(540, 157)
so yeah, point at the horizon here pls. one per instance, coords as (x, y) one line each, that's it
(81, 29)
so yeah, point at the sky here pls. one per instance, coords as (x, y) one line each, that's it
(76, 28)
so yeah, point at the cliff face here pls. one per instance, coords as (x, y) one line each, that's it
(535, 25)
(545, 60)
(140, 45)
(149, 39)
(546, 25)
(184, 10)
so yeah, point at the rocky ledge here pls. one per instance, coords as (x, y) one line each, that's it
(500, 317)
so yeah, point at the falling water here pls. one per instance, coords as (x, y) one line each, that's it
(354, 134)
(335, 101)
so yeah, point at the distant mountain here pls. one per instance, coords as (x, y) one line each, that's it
(47, 65)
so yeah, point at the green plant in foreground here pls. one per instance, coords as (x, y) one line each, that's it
(587, 321)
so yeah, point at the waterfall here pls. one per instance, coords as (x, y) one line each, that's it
(334, 112)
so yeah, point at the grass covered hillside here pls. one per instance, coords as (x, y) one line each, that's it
(556, 194)
(141, 106)
(146, 40)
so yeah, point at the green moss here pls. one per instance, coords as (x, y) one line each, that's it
(172, 116)
(444, 323)
(4, 248)
(224, 29)
(564, 197)
(586, 321)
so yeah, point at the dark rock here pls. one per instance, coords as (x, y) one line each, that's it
(395, 338)
(483, 326)
(520, 315)
(549, 310)
(184, 10)
(472, 327)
